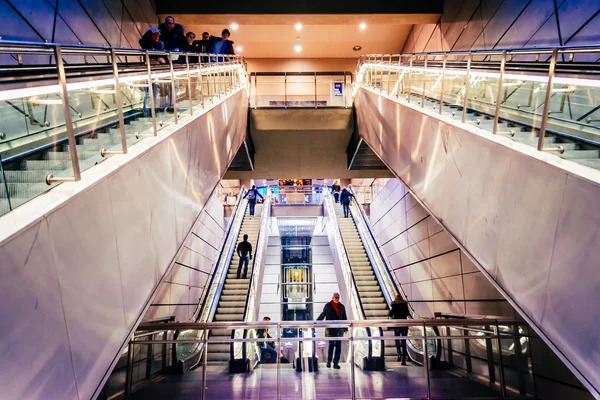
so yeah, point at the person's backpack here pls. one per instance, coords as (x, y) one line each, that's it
(251, 195)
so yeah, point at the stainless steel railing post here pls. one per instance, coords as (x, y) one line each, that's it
(410, 64)
(173, 90)
(426, 361)
(547, 98)
(199, 66)
(467, 84)
(104, 152)
(205, 361)
(496, 330)
(285, 90)
(352, 363)
(499, 94)
(278, 363)
(208, 80)
(442, 84)
(189, 82)
(315, 89)
(389, 75)
(151, 94)
(62, 82)
(424, 82)
(129, 373)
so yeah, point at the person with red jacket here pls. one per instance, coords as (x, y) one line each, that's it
(334, 311)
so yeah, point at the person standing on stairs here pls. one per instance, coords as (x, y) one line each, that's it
(252, 195)
(345, 197)
(335, 188)
(244, 251)
(400, 310)
(334, 311)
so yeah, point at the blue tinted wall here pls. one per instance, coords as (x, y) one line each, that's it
(94, 22)
(486, 24)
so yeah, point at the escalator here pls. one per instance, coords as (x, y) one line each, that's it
(375, 289)
(233, 300)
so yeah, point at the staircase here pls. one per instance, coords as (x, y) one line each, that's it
(232, 302)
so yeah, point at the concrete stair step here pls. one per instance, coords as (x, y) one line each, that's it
(374, 294)
(230, 310)
(375, 306)
(220, 332)
(373, 300)
(218, 348)
(217, 356)
(234, 292)
(238, 304)
(229, 317)
(235, 286)
(376, 314)
(236, 297)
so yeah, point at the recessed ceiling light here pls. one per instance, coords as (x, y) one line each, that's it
(239, 49)
(234, 26)
(299, 26)
(362, 26)
(297, 48)
(357, 48)
(298, 38)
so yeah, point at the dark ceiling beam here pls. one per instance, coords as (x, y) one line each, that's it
(299, 7)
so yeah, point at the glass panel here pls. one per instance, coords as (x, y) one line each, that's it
(270, 91)
(4, 193)
(300, 91)
(161, 78)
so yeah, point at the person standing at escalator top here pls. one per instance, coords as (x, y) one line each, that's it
(335, 188)
(400, 310)
(252, 196)
(334, 311)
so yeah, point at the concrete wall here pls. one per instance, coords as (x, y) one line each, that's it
(186, 283)
(93, 22)
(433, 272)
(486, 24)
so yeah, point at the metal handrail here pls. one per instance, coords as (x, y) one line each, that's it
(124, 67)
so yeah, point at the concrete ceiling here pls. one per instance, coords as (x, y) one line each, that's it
(322, 36)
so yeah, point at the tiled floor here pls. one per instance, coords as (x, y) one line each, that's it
(396, 383)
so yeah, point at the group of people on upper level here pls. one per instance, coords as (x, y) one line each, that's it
(171, 36)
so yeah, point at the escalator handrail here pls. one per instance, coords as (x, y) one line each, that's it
(224, 252)
(260, 240)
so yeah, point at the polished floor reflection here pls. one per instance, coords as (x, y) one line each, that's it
(397, 382)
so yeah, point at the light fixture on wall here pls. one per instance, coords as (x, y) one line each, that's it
(239, 49)
(299, 26)
(234, 26)
(357, 48)
(297, 48)
(362, 26)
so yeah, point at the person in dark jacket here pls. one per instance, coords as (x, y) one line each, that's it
(400, 310)
(151, 41)
(252, 196)
(222, 45)
(173, 35)
(244, 251)
(345, 197)
(334, 311)
(335, 188)
(266, 347)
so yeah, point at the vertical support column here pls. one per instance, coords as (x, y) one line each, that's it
(278, 363)
(189, 85)
(208, 80)
(205, 361)
(344, 91)
(353, 364)
(442, 84)
(424, 82)
(199, 66)
(62, 82)
(467, 85)
(315, 89)
(398, 83)
(173, 90)
(547, 97)
(389, 75)
(118, 100)
(490, 359)
(499, 94)
(285, 90)
(255, 89)
(151, 94)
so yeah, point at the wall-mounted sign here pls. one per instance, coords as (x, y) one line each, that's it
(338, 89)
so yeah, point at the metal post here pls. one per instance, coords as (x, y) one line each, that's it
(426, 361)
(151, 93)
(442, 84)
(255, 89)
(189, 85)
(315, 89)
(467, 84)
(173, 91)
(424, 82)
(389, 75)
(219, 80)
(285, 90)
(205, 360)
(398, 83)
(208, 79)
(352, 372)
(410, 64)
(500, 362)
(129, 373)
(547, 97)
(199, 66)
(344, 91)
(278, 363)
(499, 94)
(62, 82)
(104, 152)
